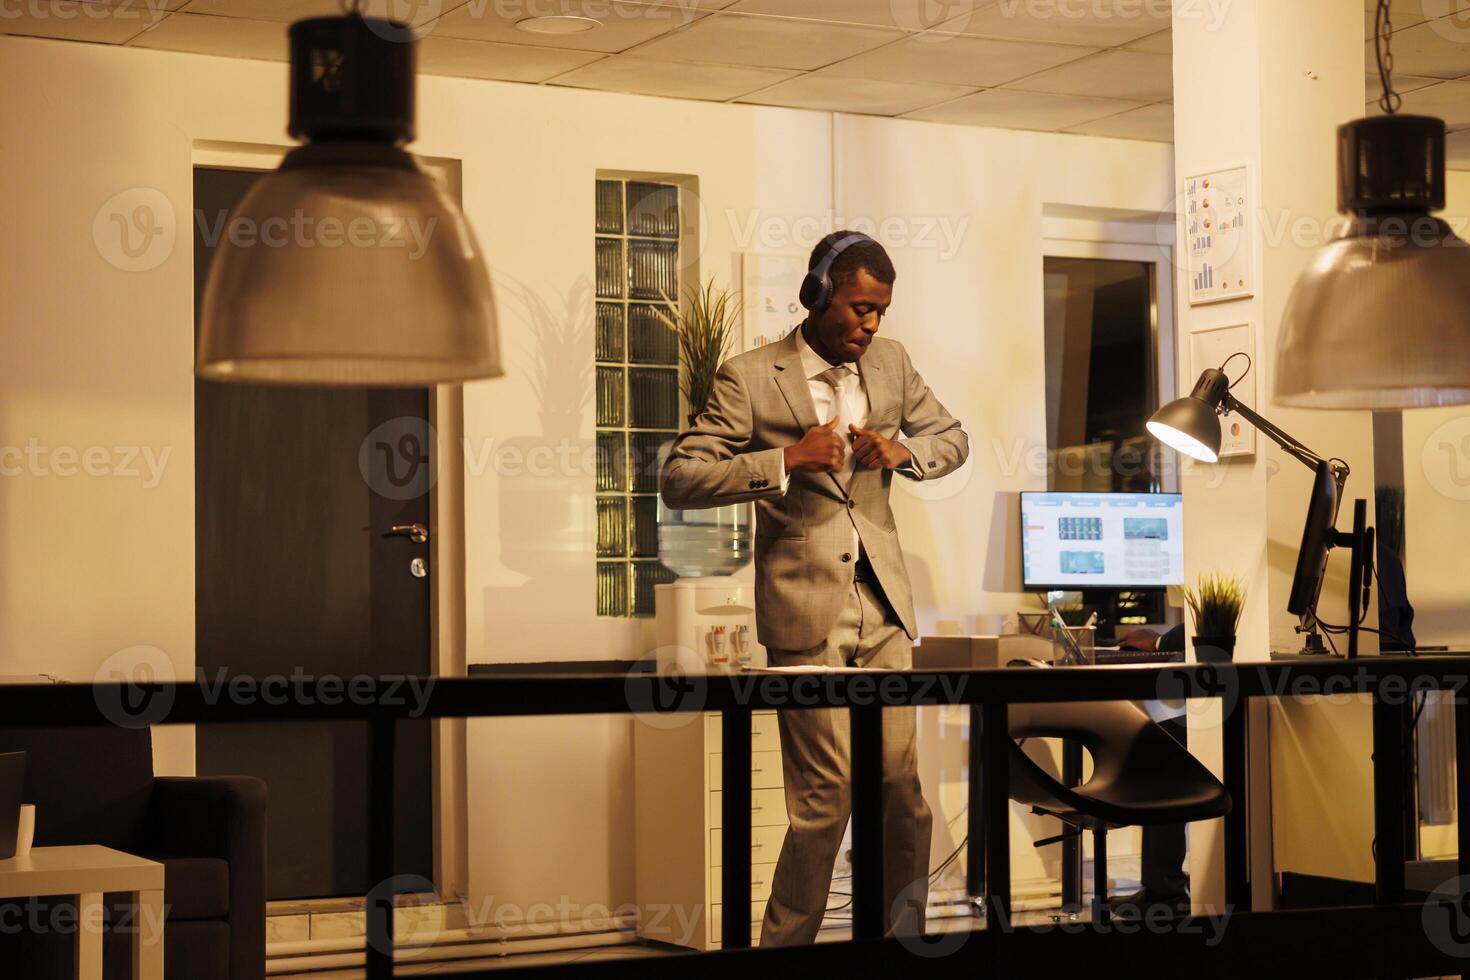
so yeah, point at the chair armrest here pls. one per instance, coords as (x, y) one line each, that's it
(220, 817)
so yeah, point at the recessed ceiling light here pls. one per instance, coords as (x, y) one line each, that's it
(557, 24)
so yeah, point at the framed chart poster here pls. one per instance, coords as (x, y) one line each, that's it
(1212, 348)
(1218, 236)
(769, 285)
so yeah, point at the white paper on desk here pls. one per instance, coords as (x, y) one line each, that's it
(816, 669)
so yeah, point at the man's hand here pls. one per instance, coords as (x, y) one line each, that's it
(876, 452)
(1146, 640)
(819, 451)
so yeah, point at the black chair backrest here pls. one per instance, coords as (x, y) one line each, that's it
(90, 784)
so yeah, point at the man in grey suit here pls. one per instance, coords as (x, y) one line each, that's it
(808, 427)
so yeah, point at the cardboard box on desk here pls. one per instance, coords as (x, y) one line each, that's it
(977, 652)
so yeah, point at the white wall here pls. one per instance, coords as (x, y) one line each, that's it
(1437, 496)
(100, 356)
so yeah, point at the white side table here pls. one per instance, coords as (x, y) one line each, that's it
(88, 871)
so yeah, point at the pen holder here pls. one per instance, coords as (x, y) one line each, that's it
(1085, 637)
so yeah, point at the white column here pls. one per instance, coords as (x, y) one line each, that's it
(1263, 84)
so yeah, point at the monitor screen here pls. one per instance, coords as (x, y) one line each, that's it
(1102, 540)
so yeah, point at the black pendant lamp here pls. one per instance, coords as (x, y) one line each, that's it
(355, 267)
(1381, 318)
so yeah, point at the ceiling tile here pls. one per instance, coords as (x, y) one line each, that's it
(505, 62)
(1101, 25)
(853, 95)
(69, 21)
(286, 11)
(1449, 101)
(1153, 122)
(228, 37)
(1136, 75)
(1401, 84)
(1008, 109)
(1438, 48)
(674, 79)
(904, 15)
(1457, 150)
(1160, 43)
(954, 59)
(766, 42)
(621, 25)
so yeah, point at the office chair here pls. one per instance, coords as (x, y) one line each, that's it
(1140, 775)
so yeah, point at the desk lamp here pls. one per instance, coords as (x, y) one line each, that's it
(1191, 425)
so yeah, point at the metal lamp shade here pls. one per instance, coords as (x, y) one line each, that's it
(348, 266)
(1189, 426)
(1380, 320)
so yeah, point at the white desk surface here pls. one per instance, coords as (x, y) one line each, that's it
(77, 868)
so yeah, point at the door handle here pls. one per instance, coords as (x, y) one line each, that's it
(416, 533)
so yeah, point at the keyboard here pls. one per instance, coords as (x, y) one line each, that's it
(1104, 656)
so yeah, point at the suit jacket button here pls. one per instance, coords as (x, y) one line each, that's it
(851, 502)
(847, 556)
(931, 464)
(754, 484)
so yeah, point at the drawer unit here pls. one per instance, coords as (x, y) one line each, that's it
(765, 844)
(765, 770)
(679, 832)
(767, 808)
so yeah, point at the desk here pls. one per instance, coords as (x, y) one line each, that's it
(87, 871)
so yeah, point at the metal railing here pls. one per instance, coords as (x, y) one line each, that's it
(1390, 938)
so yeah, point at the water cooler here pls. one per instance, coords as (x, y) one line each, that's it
(706, 624)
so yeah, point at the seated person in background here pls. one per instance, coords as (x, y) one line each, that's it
(1165, 882)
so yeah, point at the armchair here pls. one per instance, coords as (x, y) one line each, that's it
(95, 785)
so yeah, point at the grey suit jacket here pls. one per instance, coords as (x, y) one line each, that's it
(803, 540)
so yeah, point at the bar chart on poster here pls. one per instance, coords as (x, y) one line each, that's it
(1217, 236)
(769, 286)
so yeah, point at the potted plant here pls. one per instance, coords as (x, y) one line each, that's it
(715, 541)
(1216, 606)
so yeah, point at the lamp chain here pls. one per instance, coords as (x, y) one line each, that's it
(1389, 101)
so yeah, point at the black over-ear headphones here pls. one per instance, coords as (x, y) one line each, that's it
(816, 288)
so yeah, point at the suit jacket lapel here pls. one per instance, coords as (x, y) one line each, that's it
(791, 379)
(876, 383)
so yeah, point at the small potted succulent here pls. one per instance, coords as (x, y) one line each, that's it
(1216, 606)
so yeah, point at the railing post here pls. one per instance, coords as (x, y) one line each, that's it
(1237, 822)
(1072, 846)
(735, 849)
(868, 914)
(997, 740)
(1388, 800)
(378, 927)
(975, 815)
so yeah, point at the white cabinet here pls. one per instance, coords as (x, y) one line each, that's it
(678, 782)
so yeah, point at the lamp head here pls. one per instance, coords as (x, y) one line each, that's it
(1191, 425)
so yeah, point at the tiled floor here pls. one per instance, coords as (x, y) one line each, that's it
(630, 951)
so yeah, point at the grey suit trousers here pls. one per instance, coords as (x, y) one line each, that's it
(816, 764)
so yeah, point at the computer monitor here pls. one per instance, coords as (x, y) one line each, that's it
(1318, 538)
(1074, 541)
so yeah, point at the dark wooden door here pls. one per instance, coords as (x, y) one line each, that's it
(295, 490)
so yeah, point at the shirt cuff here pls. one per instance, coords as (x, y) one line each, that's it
(911, 469)
(785, 477)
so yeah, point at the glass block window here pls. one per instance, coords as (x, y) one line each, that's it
(637, 241)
